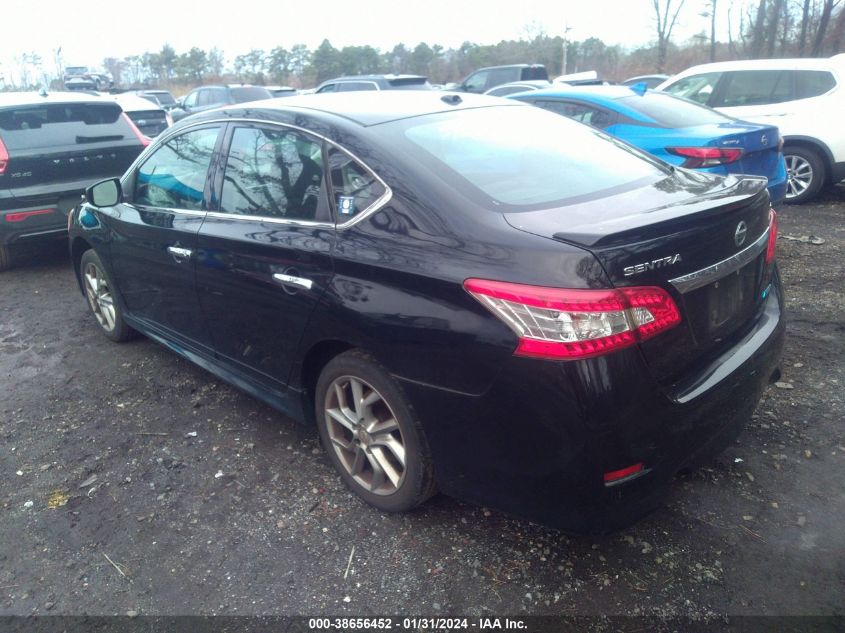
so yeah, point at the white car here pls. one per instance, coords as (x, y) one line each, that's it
(804, 98)
(151, 119)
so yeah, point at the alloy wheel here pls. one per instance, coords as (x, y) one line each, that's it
(365, 435)
(799, 173)
(99, 296)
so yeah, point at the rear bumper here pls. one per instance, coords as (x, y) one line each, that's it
(35, 218)
(539, 441)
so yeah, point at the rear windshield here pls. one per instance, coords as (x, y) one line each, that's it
(669, 111)
(253, 93)
(52, 124)
(514, 158)
(164, 98)
(410, 83)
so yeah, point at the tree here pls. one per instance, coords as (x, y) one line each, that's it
(666, 20)
(421, 58)
(115, 67)
(250, 66)
(827, 9)
(278, 65)
(326, 62)
(300, 59)
(193, 66)
(215, 63)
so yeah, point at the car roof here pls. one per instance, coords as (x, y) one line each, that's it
(511, 66)
(388, 77)
(597, 93)
(367, 108)
(133, 103)
(805, 63)
(8, 99)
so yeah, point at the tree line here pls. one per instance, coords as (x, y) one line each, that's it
(762, 29)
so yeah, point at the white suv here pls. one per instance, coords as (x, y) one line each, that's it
(804, 98)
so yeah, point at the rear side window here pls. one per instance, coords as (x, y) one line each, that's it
(273, 173)
(500, 76)
(56, 124)
(173, 177)
(670, 112)
(697, 88)
(812, 83)
(514, 158)
(581, 112)
(355, 187)
(534, 72)
(755, 87)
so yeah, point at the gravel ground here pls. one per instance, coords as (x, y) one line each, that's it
(136, 482)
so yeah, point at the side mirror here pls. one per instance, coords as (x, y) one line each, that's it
(105, 193)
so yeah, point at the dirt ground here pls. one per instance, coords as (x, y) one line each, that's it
(133, 481)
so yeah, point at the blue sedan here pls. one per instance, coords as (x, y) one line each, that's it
(675, 130)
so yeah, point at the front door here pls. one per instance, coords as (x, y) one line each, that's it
(153, 234)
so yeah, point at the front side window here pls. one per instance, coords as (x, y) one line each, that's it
(191, 99)
(477, 82)
(275, 173)
(756, 87)
(695, 87)
(327, 88)
(174, 176)
(354, 186)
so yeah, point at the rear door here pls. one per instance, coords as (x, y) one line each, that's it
(264, 253)
(153, 234)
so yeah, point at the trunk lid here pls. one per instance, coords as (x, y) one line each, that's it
(668, 235)
(759, 144)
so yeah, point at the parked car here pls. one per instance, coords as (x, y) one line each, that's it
(518, 86)
(148, 117)
(357, 83)
(678, 131)
(651, 81)
(484, 79)
(53, 146)
(210, 97)
(805, 98)
(456, 290)
(160, 97)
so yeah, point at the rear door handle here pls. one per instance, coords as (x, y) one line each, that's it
(180, 254)
(290, 280)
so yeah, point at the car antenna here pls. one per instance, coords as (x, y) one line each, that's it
(451, 99)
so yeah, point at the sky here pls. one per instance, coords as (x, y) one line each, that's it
(89, 30)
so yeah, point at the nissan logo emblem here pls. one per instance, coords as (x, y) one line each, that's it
(739, 234)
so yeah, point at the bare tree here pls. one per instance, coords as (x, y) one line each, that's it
(827, 9)
(665, 24)
(805, 21)
(772, 26)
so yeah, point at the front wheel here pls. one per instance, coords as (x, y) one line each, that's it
(99, 290)
(371, 434)
(805, 172)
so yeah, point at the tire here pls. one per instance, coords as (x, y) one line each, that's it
(5, 257)
(375, 436)
(99, 292)
(806, 174)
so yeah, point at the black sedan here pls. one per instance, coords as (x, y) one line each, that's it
(464, 295)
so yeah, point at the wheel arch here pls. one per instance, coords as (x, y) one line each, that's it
(313, 362)
(810, 142)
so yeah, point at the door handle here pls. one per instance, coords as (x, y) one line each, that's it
(180, 254)
(290, 280)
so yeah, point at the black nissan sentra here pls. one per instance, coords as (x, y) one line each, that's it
(463, 294)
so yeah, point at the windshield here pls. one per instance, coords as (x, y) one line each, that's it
(521, 158)
(253, 93)
(672, 112)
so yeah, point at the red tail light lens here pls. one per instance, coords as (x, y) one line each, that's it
(144, 140)
(623, 473)
(773, 237)
(20, 216)
(4, 157)
(556, 323)
(706, 156)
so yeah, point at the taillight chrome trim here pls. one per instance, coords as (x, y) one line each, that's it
(714, 272)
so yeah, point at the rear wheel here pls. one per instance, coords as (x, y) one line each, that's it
(372, 435)
(99, 290)
(805, 172)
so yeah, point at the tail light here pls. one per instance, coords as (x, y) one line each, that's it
(556, 323)
(773, 236)
(4, 158)
(706, 156)
(144, 140)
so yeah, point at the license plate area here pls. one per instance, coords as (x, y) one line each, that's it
(725, 304)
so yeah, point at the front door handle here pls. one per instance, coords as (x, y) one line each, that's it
(290, 280)
(180, 254)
